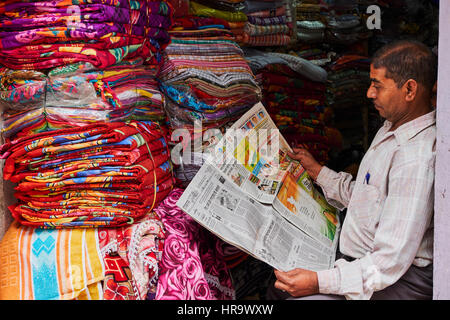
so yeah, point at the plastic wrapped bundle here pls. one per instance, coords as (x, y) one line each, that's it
(77, 95)
(109, 174)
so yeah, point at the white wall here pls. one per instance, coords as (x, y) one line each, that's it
(441, 266)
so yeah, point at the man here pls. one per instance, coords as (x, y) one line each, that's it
(387, 235)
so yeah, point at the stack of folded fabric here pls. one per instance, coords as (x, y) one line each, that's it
(77, 95)
(269, 23)
(310, 21)
(346, 26)
(192, 266)
(47, 34)
(230, 11)
(206, 80)
(294, 93)
(78, 70)
(334, 35)
(106, 174)
(349, 78)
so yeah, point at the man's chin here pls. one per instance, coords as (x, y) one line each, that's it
(380, 110)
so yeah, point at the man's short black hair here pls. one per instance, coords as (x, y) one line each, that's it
(407, 59)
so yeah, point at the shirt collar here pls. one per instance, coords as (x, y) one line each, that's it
(410, 129)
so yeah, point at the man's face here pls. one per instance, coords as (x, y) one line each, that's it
(387, 97)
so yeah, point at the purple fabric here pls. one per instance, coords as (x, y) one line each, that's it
(96, 13)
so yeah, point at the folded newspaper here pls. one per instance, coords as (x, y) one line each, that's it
(253, 196)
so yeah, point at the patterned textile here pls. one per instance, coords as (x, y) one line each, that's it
(284, 63)
(251, 278)
(38, 264)
(118, 283)
(205, 79)
(255, 30)
(192, 265)
(267, 21)
(294, 91)
(108, 174)
(131, 256)
(201, 10)
(79, 94)
(41, 35)
(280, 11)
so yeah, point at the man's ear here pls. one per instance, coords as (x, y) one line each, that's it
(410, 88)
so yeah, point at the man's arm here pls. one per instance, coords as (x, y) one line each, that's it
(404, 219)
(406, 215)
(337, 187)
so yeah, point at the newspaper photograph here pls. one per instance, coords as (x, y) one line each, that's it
(253, 155)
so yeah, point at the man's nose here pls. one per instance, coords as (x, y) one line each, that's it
(371, 93)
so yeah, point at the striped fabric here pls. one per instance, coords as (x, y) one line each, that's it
(37, 264)
(257, 30)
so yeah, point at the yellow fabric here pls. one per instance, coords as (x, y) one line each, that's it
(50, 264)
(198, 9)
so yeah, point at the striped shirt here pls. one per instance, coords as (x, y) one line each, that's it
(389, 220)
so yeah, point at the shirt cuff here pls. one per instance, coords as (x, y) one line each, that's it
(329, 281)
(325, 176)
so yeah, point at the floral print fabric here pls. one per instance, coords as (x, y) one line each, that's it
(192, 265)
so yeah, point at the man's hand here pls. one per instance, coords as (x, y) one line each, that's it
(297, 282)
(307, 161)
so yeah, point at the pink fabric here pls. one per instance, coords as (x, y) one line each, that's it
(192, 265)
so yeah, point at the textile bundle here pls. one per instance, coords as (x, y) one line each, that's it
(107, 174)
(346, 94)
(37, 264)
(254, 23)
(192, 265)
(269, 23)
(47, 34)
(165, 255)
(332, 22)
(294, 95)
(334, 35)
(206, 80)
(131, 256)
(78, 95)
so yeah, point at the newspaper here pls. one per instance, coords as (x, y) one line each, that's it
(253, 196)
